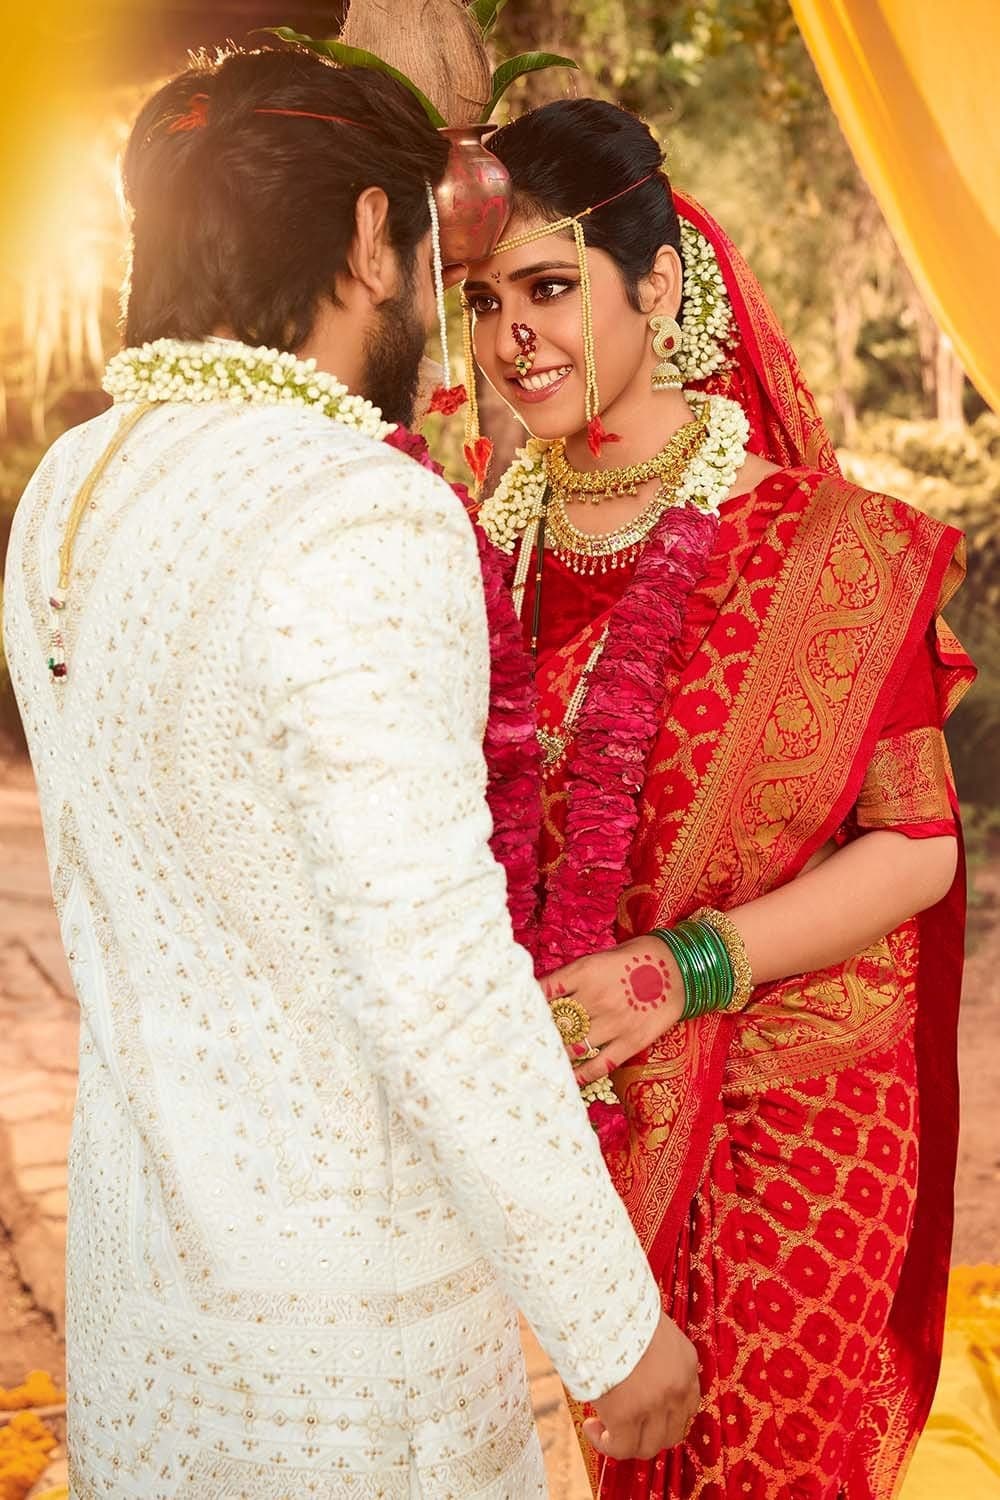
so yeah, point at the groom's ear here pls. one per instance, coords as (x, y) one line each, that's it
(370, 259)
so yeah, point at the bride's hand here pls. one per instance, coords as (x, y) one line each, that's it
(632, 994)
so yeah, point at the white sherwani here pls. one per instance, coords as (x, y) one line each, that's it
(325, 1129)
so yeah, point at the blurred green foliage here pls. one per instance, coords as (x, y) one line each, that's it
(956, 477)
(729, 89)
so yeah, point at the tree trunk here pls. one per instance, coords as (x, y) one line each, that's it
(435, 43)
(950, 385)
(846, 327)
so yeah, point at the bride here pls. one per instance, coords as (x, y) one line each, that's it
(751, 913)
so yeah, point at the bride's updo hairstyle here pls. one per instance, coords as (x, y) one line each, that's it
(573, 153)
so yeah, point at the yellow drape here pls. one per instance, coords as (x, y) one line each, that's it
(958, 1456)
(913, 84)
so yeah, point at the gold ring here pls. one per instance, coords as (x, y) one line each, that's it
(572, 1020)
(590, 1053)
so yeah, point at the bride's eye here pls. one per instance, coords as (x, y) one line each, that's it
(550, 289)
(481, 303)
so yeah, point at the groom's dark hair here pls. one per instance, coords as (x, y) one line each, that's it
(244, 219)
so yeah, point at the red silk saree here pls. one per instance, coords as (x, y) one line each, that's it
(789, 1170)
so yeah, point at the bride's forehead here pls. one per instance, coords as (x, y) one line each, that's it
(542, 245)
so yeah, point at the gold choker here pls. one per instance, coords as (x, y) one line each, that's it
(586, 553)
(596, 485)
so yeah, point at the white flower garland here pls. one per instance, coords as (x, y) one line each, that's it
(708, 332)
(708, 478)
(517, 499)
(224, 370)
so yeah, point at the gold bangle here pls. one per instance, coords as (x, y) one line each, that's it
(743, 985)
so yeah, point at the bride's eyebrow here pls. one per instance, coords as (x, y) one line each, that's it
(524, 272)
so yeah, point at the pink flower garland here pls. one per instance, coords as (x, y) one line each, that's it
(607, 768)
(510, 744)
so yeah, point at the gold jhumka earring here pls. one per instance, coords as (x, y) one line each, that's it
(666, 342)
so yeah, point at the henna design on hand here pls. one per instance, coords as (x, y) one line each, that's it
(646, 981)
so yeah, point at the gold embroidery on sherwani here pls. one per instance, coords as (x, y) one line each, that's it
(276, 1284)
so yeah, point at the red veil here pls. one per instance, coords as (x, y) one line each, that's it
(765, 378)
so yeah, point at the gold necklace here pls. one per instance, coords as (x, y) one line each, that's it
(586, 553)
(555, 743)
(596, 485)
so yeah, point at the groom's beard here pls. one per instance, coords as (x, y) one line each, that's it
(394, 348)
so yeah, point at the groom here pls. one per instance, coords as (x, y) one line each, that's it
(325, 1126)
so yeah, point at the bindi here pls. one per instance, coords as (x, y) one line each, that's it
(646, 982)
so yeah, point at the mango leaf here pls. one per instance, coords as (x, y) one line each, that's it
(357, 57)
(516, 67)
(486, 13)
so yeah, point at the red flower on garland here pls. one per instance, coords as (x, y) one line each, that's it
(609, 1124)
(448, 399)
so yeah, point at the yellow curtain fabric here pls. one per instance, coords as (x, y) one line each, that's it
(958, 1455)
(913, 84)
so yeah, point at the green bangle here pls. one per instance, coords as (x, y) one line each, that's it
(680, 957)
(739, 960)
(705, 966)
(693, 975)
(726, 983)
(703, 961)
(701, 967)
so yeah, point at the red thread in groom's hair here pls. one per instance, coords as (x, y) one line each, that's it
(196, 117)
(308, 114)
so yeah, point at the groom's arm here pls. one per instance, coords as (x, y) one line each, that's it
(370, 638)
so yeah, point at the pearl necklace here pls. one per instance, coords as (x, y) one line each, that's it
(512, 513)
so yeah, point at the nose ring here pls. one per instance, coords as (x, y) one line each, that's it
(527, 342)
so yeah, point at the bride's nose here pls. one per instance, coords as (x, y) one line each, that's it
(507, 345)
(517, 344)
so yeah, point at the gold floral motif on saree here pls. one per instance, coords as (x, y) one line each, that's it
(825, 636)
(795, 668)
(907, 781)
(822, 1021)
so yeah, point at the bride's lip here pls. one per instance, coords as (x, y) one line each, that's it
(521, 393)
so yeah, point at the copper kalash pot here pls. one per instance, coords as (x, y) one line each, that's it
(474, 196)
(440, 48)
